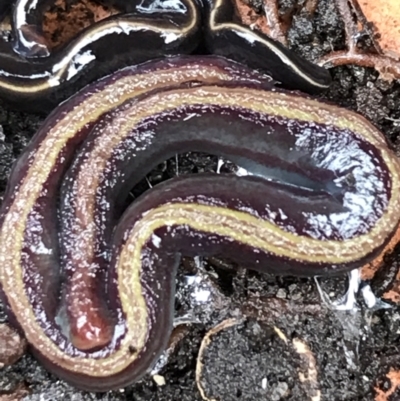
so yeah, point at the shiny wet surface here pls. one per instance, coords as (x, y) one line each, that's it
(375, 334)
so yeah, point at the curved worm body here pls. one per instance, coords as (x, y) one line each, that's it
(34, 78)
(322, 197)
(39, 83)
(226, 37)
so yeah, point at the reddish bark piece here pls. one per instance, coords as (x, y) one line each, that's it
(385, 17)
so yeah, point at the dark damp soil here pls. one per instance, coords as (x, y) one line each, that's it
(255, 359)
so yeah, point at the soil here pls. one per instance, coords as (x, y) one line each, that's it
(256, 358)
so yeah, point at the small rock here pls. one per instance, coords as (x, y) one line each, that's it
(12, 345)
(160, 380)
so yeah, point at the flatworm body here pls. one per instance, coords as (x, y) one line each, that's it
(321, 197)
(34, 78)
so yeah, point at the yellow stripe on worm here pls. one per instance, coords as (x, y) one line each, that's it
(233, 214)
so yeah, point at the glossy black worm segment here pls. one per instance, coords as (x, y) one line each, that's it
(35, 79)
(321, 197)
